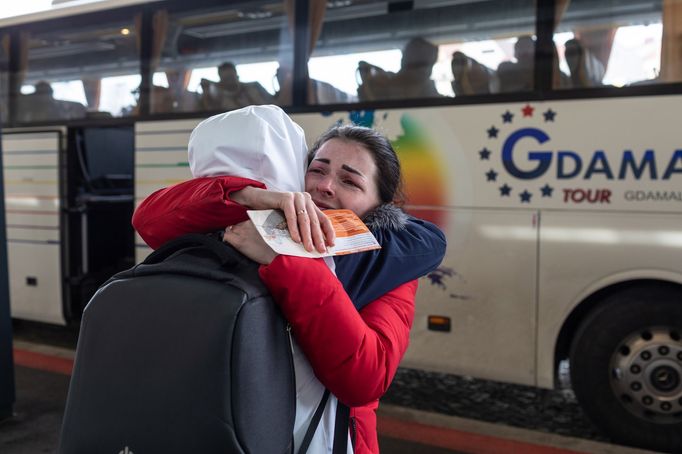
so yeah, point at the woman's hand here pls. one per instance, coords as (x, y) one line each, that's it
(246, 239)
(307, 224)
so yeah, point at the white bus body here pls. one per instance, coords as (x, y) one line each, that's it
(611, 214)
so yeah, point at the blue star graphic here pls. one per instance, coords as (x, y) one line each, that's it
(525, 196)
(492, 132)
(485, 154)
(547, 190)
(507, 117)
(492, 175)
(549, 115)
(505, 190)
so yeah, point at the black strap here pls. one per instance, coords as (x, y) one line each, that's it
(314, 423)
(341, 429)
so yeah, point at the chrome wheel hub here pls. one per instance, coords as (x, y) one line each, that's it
(646, 374)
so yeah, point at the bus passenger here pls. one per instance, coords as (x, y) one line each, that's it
(518, 76)
(42, 106)
(354, 344)
(586, 70)
(413, 80)
(229, 93)
(319, 92)
(471, 77)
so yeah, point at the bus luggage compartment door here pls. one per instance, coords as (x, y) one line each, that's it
(32, 208)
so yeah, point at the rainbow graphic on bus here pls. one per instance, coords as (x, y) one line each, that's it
(422, 171)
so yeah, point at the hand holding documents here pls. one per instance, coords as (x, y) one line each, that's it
(352, 235)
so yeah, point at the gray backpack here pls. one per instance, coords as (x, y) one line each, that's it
(184, 353)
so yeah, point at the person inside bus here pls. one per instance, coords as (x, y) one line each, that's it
(471, 77)
(586, 70)
(319, 92)
(230, 93)
(42, 106)
(518, 76)
(344, 337)
(413, 80)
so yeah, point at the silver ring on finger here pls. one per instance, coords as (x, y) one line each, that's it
(302, 211)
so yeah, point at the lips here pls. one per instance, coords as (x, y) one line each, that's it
(322, 206)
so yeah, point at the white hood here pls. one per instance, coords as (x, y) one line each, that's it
(257, 142)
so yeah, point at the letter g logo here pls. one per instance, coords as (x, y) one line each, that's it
(544, 158)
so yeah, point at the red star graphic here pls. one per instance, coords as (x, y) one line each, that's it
(528, 111)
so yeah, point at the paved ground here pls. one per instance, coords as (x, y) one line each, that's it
(38, 413)
(423, 412)
(41, 397)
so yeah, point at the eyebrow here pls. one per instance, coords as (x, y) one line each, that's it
(345, 167)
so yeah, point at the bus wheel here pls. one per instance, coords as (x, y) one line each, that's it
(626, 367)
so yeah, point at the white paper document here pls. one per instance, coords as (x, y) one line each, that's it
(352, 235)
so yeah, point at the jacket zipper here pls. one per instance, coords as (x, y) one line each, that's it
(293, 369)
(353, 433)
(291, 342)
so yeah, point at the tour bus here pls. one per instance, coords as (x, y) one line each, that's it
(542, 137)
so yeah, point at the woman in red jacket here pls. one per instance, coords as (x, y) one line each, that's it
(355, 354)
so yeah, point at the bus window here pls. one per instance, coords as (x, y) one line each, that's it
(371, 50)
(73, 72)
(4, 78)
(219, 59)
(621, 45)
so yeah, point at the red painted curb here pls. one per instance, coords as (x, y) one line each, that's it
(42, 361)
(457, 440)
(453, 439)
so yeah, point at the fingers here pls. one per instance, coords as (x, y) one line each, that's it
(306, 223)
(230, 237)
(288, 206)
(316, 231)
(245, 238)
(303, 219)
(326, 227)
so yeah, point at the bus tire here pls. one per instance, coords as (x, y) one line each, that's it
(626, 367)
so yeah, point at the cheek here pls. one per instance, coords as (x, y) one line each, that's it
(311, 181)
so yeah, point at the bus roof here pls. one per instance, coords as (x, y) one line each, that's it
(70, 8)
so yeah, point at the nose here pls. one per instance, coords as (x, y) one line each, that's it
(325, 185)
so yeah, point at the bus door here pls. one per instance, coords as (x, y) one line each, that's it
(98, 209)
(33, 206)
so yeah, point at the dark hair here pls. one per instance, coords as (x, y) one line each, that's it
(388, 178)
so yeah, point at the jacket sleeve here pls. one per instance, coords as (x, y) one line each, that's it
(354, 354)
(405, 255)
(200, 205)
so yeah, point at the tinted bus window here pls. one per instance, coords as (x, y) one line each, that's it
(220, 58)
(71, 72)
(624, 43)
(375, 50)
(4, 77)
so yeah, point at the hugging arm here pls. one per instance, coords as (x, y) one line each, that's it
(208, 204)
(354, 354)
(201, 205)
(406, 254)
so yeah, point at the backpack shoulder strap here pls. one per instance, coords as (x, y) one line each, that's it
(314, 423)
(341, 429)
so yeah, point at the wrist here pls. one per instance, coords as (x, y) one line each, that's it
(244, 196)
(270, 256)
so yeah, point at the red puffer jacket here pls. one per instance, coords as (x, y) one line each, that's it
(354, 354)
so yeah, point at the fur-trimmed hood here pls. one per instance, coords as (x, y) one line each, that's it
(386, 216)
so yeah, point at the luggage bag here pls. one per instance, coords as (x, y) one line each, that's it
(183, 353)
